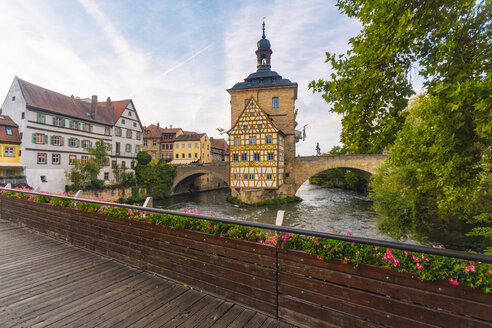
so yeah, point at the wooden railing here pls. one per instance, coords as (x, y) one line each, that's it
(290, 285)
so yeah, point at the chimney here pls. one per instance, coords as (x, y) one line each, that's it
(170, 126)
(157, 124)
(93, 106)
(108, 101)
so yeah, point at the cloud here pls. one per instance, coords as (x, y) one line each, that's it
(175, 60)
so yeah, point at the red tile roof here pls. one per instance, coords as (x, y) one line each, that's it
(189, 136)
(220, 144)
(6, 122)
(118, 106)
(151, 131)
(40, 98)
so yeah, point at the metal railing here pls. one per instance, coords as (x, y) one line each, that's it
(362, 240)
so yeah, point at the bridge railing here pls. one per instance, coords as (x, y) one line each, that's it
(362, 240)
(293, 286)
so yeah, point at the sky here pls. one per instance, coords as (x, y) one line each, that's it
(175, 59)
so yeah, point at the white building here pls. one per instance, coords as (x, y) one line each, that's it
(55, 129)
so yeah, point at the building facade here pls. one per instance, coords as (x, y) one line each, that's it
(152, 140)
(219, 150)
(56, 129)
(274, 98)
(10, 152)
(191, 148)
(169, 135)
(256, 151)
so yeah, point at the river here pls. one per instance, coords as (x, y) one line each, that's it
(322, 209)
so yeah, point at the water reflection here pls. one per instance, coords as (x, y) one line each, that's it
(322, 209)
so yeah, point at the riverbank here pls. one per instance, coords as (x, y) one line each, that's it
(277, 201)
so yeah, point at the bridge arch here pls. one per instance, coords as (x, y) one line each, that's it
(186, 174)
(364, 165)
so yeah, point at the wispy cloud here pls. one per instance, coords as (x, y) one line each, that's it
(186, 60)
(175, 60)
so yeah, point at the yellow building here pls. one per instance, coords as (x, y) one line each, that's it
(191, 147)
(152, 140)
(10, 152)
(256, 148)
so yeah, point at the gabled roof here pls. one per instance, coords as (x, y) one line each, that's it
(253, 105)
(151, 131)
(118, 106)
(189, 136)
(6, 122)
(219, 144)
(40, 98)
(171, 130)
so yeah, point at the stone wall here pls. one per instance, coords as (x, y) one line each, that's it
(111, 194)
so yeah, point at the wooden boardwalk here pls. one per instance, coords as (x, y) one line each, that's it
(47, 283)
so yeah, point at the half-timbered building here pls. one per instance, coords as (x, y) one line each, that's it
(256, 150)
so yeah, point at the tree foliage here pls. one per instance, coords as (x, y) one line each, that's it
(370, 85)
(156, 177)
(83, 174)
(437, 177)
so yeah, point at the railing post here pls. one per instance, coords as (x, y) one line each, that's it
(148, 202)
(280, 218)
(78, 194)
(36, 189)
(8, 186)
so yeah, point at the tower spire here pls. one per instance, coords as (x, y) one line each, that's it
(264, 51)
(263, 36)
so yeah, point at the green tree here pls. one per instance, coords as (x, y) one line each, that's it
(436, 177)
(370, 85)
(83, 174)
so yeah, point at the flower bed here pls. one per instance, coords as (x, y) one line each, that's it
(427, 267)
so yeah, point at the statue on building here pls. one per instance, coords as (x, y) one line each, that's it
(318, 150)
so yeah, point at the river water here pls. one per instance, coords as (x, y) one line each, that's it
(322, 209)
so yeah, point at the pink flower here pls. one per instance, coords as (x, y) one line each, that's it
(221, 234)
(261, 241)
(349, 233)
(324, 246)
(406, 253)
(345, 259)
(228, 232)
(215, 227)
(419, 266)
(454, 282)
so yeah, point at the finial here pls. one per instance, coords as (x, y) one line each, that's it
(263, 36)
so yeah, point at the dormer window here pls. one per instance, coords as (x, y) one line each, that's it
(8, 131)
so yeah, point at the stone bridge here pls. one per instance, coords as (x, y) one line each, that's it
(300, 170)
(363, 164)
(187, 173)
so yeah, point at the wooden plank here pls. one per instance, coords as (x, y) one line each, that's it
(119, 305)
(167, 311)
(311, 316)
(379, 286)
(39, 286)
(72, 294)
(99, 303)
(213, 284)
(326, 297)
(205, 316)
(226, 319)
(150, 307)
(406, 279)
(161, 293)
(256, 321)
(242, 319)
